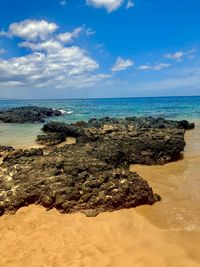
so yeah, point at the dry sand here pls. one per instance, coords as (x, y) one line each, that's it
(166, 234)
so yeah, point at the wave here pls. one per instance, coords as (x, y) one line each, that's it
(66, 112)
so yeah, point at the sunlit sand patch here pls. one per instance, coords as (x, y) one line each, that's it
(34, 237)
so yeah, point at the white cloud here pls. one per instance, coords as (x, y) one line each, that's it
(158, 66)
(58, 68)
(31, 29)
(161, 66)
(63, 2)
(130, 4)
(50, 63)
(49, 45)
(5, 34)
(122, 64)
(179, 55)
(144, 67)
(68, 37)
(110, 5)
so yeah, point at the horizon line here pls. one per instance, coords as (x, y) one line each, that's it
(92, 98)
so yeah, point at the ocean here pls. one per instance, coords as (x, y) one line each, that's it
(176, 108)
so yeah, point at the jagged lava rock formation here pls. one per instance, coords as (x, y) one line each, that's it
(27, 114)
(70, 179)
(93, 173)
(131, 140)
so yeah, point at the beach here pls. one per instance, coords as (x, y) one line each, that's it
(165, 234)
(99, 133)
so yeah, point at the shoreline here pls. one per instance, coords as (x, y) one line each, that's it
(178, 184)
(140, 236)
(136, 236)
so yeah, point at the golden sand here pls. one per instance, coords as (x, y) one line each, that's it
(166, 234)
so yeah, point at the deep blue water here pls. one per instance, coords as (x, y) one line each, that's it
(83, 109)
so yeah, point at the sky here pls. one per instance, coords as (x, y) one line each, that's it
(99, 48)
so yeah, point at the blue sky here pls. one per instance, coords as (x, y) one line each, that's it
(99, 48)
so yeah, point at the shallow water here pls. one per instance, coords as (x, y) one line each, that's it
(179, 185)
(83, 109)
(19, 135)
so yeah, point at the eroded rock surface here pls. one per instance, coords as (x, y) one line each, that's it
(51, 139)
(27, 114)
(126, 141)
(92, 175)
(142, 122)
(70, 179)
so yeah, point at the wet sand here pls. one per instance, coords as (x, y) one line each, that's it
(166, 234)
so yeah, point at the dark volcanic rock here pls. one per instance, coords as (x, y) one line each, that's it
(27, 114)
(148, 147)
(67, 129)
(160, 123)
(140, 122)
(6, 148)
(125, 141)
(70, 179)
(60, 131)
(51, 139)
(91, 175)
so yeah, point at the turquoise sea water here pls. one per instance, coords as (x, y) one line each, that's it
(84, 109)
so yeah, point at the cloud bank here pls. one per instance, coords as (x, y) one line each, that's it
(50, 63)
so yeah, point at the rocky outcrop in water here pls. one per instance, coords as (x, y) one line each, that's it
(75, 129)
(126, 141)
(141, 147)
(91, 175)
(27, 114)
(70, 179)
(139, 122)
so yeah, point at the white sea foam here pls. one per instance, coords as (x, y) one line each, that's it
(66, 112)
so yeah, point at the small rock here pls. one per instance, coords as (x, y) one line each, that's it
(90, 213)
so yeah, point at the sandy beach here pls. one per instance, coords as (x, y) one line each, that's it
(165, 234)
(99, 133)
